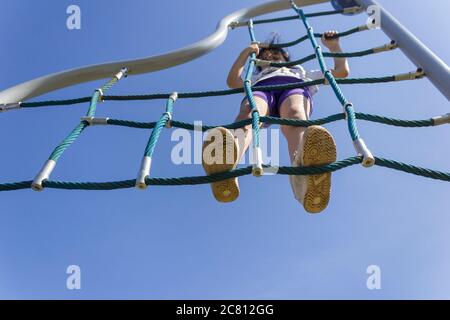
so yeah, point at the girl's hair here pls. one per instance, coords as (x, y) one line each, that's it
(274, 38)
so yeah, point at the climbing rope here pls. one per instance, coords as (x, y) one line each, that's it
(203, 94)
(143, 180)
(281, 121)
(360, 146)
(48, 167)
(309, 15)
(387, 47)
(317, 35)
(194, 180)
(257, 169)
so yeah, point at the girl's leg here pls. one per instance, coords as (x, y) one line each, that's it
(228, 190)
(244, 138)
(316, 146)
(296, 106)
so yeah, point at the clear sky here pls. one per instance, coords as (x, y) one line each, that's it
(178, 242)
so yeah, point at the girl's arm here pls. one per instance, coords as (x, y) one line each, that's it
(341, 68)
(234, 79)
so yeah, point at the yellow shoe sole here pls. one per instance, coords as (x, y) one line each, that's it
(225, 190)
(319, 148)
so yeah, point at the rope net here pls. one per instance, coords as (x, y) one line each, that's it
(364, 156)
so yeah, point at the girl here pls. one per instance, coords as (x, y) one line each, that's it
(309, 146)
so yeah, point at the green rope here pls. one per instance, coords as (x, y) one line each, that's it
(310, 15)
(348, 107)
(255, 120)
(150, 148)
(204, 94)
(50, 103)
(13, 186)
(193, 180)
(281, 121)
(317, 35)
(69, 140)
(395, 122)
(249, 93)
(328, 55)
(75, 133)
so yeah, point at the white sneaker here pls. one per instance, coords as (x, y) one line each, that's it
(317, 147)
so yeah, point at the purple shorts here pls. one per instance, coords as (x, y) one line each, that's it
(275, 98)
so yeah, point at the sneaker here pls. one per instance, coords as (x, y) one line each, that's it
(316, 148)
(225, 190)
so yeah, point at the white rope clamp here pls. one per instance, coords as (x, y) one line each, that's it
(9, 106)
(43, 175)
(144, 172)
(419, 73)
(326, 81)
(439, 120)
(92, 121)
(351, 10)
(344, 107)
(169, 121)
(262, 63)
(257, 168)
(173, 96)
(236, 24)
(362, 150)
(100, 96)
(123, 73)
(387, 47)
(363, 27)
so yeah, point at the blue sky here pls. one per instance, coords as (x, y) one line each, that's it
(178, 242)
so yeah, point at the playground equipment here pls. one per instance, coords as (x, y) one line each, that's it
(428, 64)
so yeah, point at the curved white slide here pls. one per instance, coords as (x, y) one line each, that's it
(52, 82)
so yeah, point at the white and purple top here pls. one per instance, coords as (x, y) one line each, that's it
(296, 71)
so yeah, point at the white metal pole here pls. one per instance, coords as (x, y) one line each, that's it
(435, 68)
(33, 88)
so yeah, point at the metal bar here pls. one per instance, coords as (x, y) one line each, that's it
(33, 88)
(435, 68)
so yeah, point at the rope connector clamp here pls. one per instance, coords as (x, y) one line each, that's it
(362, 150)
(9, 106)
(444, 119)
(123, 73)
(169, 121)
(100, 97)
(353, 10)
(262, 63)
(389, 46)
(419, 73)
(92, 121)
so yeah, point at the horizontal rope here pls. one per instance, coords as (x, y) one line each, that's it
(317, 35)
(355, 54)
(193, 180)
(281, 121)
(203, 94)
(50, 103)
(287, 18)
